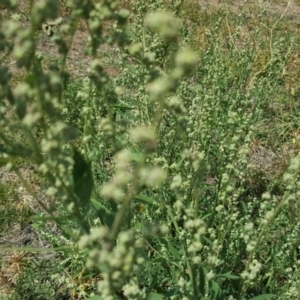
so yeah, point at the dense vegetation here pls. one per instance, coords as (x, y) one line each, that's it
(168, 169)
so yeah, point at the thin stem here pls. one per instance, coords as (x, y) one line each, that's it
(86, 120)
(33, 145)
(122, 211)
(184, 249)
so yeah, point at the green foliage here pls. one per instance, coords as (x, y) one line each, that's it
(152, 175)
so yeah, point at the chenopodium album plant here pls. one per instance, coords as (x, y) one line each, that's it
(132, 168)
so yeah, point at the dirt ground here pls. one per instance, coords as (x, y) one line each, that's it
(290, 8)
(78, 62)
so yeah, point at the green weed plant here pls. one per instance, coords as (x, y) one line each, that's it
(149, 174)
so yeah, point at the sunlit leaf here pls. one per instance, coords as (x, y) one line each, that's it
(156, 296)
(264, 297)
(227, 275)
(144, 199)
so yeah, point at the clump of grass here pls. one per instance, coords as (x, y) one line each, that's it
(9, 210)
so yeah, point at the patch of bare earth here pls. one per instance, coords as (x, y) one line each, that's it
(289, 9)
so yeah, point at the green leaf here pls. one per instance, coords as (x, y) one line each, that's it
(132, 36)
(201, 285)
(206, 216)
(172, 292)
(245, 208)
(264, 297)
(105, 215)
(95, 298)
(227, 275)
(138, 157)
(83, 180)
(215, 288)
(216, 292)
(144, 199)
(132, 69)
(156, 296)
(207, 240)
(173, 251)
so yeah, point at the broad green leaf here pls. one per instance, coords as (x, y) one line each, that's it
(158, 260)
(227, 275)
(216, 292)
(105, 215)
(207, 240)
(173, 250)
(245, 209)
(95, 298)
(201, 284)
(138, 157)
(205, 216)
(132, 36)
(144, 199)
(156, 296)
(132, 69)
(215, 288)
(172, 292)
(83, 180)
(264, 297)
